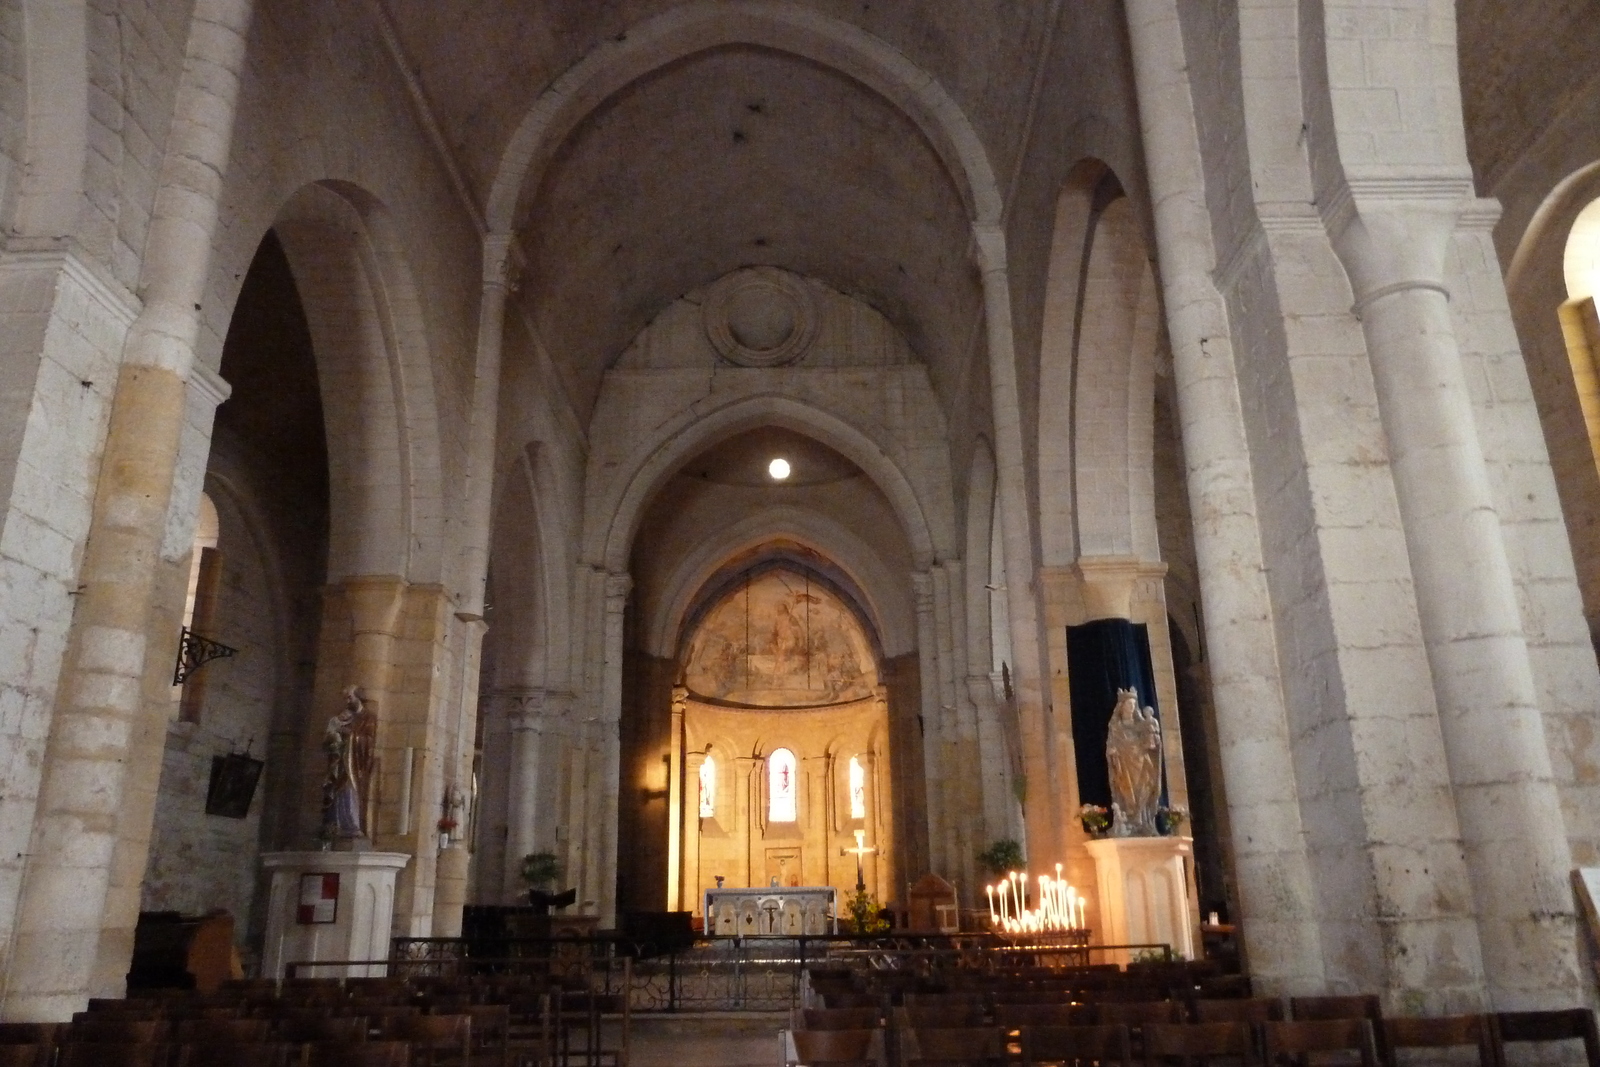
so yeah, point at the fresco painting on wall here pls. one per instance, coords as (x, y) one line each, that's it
(780, 640)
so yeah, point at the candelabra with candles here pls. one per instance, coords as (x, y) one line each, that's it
(1058, 914)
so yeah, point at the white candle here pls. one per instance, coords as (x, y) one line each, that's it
(993, 919)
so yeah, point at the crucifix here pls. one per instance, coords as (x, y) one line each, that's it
(860, 850)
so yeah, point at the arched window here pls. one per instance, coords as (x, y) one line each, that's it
(199, 610)
(781, 786)
(858, 789)
(708, 788)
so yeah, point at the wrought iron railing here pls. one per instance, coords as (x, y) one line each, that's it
(732, 974)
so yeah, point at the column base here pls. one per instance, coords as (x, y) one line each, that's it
(343, 911)
(1144, 893)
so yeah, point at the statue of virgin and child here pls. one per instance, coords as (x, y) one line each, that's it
(350, 742)
(1133, 758)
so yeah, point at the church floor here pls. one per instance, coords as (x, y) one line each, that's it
(704, 1039)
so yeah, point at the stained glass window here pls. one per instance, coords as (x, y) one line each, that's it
(708, 788)
(781, 786)
(858, 789)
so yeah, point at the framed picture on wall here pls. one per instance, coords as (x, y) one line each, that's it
(319, 899)
(233, 785)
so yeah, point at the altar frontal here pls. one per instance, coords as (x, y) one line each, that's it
(792, 911)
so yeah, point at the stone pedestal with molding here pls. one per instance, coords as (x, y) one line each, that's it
(310, 920)
(1144, 893)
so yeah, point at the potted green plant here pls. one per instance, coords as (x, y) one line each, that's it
(540, 871)
(1002, 857)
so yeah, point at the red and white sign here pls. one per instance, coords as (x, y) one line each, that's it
(319, 899)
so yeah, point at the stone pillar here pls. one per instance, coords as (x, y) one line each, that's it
(55, 951)
(677, 803)
(1281, 942)
(525, 712)
(64, 328)
(450, 890)
(930, 721)
(501, 261)
(1041, 808)
(1392, 237)
(689, 884)
(608, 750)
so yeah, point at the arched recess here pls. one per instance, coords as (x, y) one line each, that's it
(1077, 206)
(1550, 326)
(609, 537)
(886, 596)
(1114, 394)
(999, 739)
(376, 378)
(44, 196)
(707, 24)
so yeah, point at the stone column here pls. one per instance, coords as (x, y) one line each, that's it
(1392, 236)
(524, 712)
(64, 892)
(501, 261)
(1041, 808)
(1281, 942)
(677, 803)
(689, 884)
(607, 783)
(930, 721)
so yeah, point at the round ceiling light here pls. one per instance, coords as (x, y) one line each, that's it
(779, 469)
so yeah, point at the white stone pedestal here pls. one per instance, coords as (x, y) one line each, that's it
(1144, 893)
(361, 912)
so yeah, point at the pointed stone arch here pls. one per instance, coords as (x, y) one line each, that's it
(885, 595)
(612, 525)
(707, 24)
(367, 328)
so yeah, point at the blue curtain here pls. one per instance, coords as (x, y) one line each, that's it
(1102, 657)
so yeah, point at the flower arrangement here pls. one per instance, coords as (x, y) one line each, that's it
(1169, 820)
(447, 825)
(1096, 819)
(864, 917)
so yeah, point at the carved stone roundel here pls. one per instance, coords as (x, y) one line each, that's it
(760, 318)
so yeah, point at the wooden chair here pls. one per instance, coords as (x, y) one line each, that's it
(24, 1055)
(228, 1054)
(836, 1018)
(1449, 1031)
(1281, 1041)
(433, 1037)
(1568, 1024)
(111, 1054)
(1107, 1046)
(1137, 1014)
(358, 1054)
(1226, 986)
(962, 1017)
(968, 999)
(1015, 1016)
(301, 1029)
(1253, 1010)
(221, 1031)
(859, 1047)
(29, 1033)
(491, 1032)
(1186, 1043)
(953, 1047)
(115, 1031)
(1361, 1006)
(851, 1000)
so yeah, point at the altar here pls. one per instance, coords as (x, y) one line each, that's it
(786, 911)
